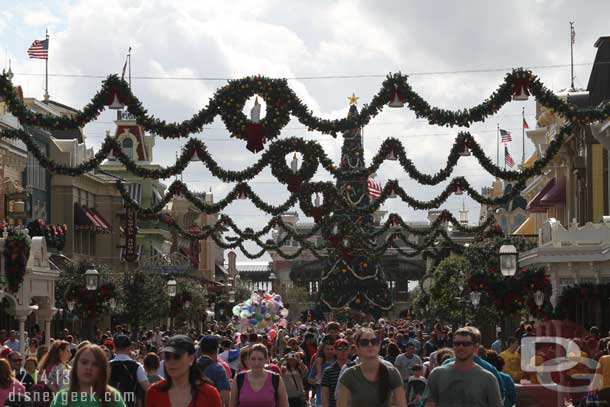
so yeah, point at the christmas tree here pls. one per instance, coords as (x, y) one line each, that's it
(353, 275)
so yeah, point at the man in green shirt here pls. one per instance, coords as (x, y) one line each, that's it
(463, 383)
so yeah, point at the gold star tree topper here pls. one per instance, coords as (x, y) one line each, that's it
(353, 99)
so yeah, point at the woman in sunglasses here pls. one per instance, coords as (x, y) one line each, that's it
(293, 373)
(372, 382)
(184, 384)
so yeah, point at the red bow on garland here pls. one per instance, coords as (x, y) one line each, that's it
(521, 86)
(256, 137)
(294, 183)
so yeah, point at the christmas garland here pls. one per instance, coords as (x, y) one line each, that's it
(565, 301)
(229, 100)
(509, 295)
(436, 229)
(55, 235)
(313, 155)
(16, 255)
(91, 303)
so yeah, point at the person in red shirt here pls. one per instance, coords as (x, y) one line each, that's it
(184, 384)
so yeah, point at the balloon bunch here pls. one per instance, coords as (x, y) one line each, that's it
(261, 312)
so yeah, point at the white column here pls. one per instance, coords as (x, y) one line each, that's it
(21, 320)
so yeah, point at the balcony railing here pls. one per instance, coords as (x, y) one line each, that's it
(554, 234)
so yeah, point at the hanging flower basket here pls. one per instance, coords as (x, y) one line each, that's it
(16, 254)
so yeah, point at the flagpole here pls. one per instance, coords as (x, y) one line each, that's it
(498, 146)
(46, 70)
(572, 54)
(523, 136)
(129, 61)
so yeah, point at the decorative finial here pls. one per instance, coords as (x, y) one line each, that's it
(353, 99)
(9, 73)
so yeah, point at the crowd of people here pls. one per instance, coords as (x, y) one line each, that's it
(323, 364)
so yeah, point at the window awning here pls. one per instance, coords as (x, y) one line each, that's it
(88, 219)
(535, 205)
(556, 196)
(527, 228)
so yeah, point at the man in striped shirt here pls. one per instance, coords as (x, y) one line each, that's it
(330, 377)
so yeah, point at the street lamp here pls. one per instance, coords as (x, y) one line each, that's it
(187, 303)
(171, 288)
(475, 298)
(71, 305)
(91, 279)
(508, 260)
(539, 298)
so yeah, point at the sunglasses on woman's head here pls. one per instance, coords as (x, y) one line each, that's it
(368, 342)
(172, 356)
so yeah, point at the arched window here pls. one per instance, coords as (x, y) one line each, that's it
(127, 146)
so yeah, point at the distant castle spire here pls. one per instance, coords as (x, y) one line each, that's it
(464, 214)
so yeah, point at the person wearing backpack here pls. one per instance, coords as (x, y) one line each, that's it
(211, 368)
(258, 387)
(127, 375)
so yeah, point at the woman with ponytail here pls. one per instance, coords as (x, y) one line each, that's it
(184, 384)
(373, 382)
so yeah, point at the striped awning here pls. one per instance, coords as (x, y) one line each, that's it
(89, 219)
(135, 192)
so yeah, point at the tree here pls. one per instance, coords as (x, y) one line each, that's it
(88, 305)
(353, 276)
(191, 302)
(445, 296)
(144, 299)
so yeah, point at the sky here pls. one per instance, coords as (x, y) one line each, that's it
(456, 54)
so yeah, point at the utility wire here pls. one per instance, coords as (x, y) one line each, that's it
(364, 76)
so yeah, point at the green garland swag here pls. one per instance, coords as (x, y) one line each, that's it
(312, 152)
(229, 100)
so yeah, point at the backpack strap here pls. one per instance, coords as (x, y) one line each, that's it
(240, 382)
(275, 380)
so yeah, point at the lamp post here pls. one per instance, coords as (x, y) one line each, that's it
(539, 298)
(92, 279)
(171, 287)
(475, 298)
(273, 279)
(508, 260)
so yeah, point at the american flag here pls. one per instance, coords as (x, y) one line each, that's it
(508, 159)
(374, 188)
(39, 49)
(505, 134)
(573, 36)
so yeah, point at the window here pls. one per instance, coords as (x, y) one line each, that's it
(127, 146)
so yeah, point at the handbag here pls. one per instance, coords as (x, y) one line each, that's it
(302, 395)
